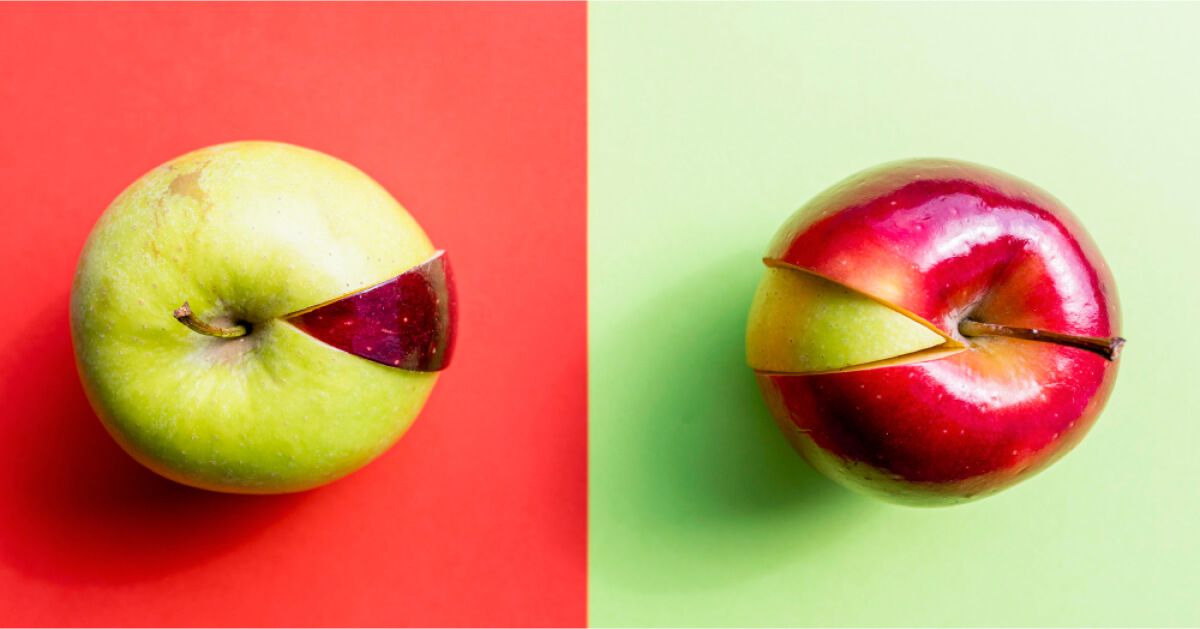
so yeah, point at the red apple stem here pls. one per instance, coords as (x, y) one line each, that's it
(185, 316)
(1109, 347)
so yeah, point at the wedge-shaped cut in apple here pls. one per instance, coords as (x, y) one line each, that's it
(406, 322)
(803, 323)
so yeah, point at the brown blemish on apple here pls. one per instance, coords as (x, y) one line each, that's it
(188, 185)
(185, 185)
(154, 250)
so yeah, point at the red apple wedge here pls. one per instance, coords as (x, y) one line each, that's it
(406, 322)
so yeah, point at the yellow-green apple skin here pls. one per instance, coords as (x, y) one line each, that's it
(247, 231)
(803, 323)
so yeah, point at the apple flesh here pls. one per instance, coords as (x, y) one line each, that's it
(247, 234)
(1003, 273)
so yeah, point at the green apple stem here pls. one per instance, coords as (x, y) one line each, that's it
(185, 316)
(1109, 348)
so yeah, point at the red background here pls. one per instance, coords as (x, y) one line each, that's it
(474, 117)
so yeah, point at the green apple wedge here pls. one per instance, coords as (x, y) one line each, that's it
(245, 233)
(803, 323)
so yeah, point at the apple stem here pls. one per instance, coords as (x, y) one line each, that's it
(185, 316)
(1109, 347)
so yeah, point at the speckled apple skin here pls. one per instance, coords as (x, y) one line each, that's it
(246, 231)
(944, 240)
(407, 322)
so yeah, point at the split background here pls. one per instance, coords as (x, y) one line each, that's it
(606, 178)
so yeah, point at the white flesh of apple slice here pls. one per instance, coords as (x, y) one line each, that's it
(802, 323)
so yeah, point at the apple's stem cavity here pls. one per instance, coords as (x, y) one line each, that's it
(1109, 348)
(185, 316)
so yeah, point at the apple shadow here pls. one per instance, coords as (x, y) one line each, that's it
(76, 508)
(709, 489)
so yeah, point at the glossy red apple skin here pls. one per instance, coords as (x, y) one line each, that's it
(407, 322)
(946, 240)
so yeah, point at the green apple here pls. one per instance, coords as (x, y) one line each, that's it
(245, 233)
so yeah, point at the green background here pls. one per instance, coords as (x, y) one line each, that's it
(709, 124)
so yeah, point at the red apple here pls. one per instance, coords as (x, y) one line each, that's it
(1024, 309)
